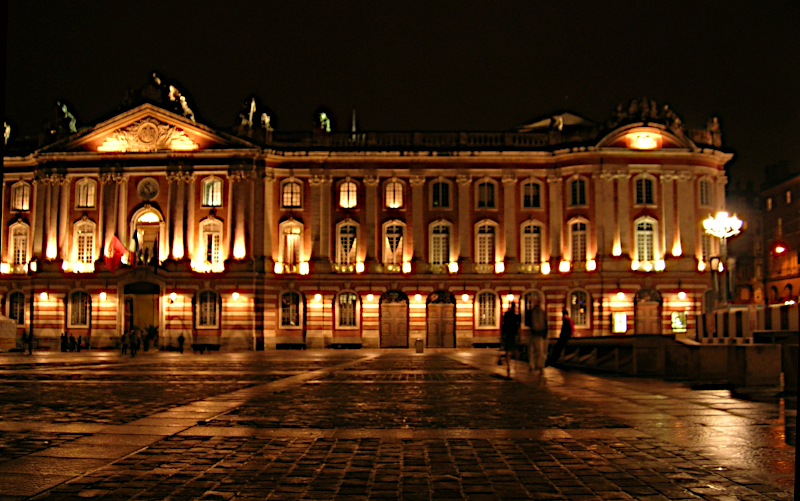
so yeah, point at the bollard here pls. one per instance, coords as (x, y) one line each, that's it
(419, 345)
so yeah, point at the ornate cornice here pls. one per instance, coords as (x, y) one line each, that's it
(147, 135)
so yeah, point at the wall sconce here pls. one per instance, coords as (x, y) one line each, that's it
(563, 266)
(545, 268)
(103, 296)
(452, 267)
(499, 267)
(173, 297)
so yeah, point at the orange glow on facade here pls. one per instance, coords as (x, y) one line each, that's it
(644, 141)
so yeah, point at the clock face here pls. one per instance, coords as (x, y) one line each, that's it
(148, 188)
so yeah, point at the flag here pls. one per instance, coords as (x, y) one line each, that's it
(116, 251)
(135, 248)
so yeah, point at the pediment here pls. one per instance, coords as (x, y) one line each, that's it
(645, 137)
(148, 129)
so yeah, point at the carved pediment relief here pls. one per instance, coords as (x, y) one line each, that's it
(147, 135)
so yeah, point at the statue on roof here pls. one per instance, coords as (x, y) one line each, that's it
(67, 119)
(6, 132)
(266, 121)
(324, 122)
(715, 131)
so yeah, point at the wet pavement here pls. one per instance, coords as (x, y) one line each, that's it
(375, 424)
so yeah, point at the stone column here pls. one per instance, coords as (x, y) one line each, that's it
(51, 219)
(417, 200)
(122, 214)
(687, 228)
(721, 181)
(608, 226)
(191, 217)
(109, 203)
(624, 212)
(325, 219)
(38, 215)
(317, 209)
(269, 218)
(464, 228)
(227, 247)
(555, 184)
(670, 238)
(64, 224)
(254, 213)
(510, 229)
(372, 232)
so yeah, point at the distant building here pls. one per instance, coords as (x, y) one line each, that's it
(257, 238)
(781, 219)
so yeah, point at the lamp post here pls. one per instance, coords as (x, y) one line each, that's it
(722, 226)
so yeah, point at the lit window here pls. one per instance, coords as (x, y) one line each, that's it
(531, 197)
(531, 243)
(487, 309)
(440, 195)
(86, 194)
(394, 194)
(16, 307)
(290, 309)
(84, 242)
(346, 304)
(769, 204)
(578, 191)
(788, 197)
(346, 243)
(645, 241)
(292, 232)
(705, 192)
(485, 244)
(347, 195)
(578, 238)
(393, 243)
(619, 322)
(486, 195)
(440, 243)
(579, 308)
(19, 241)
(79, 309)
(207, 310)
(211, 240)
(291, 198)
(212, 192)
(679, 323)
(644, 191)
(21, 196)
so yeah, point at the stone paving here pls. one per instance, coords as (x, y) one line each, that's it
(375, 424)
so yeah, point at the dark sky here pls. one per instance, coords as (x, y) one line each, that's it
(422, 65)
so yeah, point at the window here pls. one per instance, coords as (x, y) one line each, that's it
(531, 251)
(84, 242)
(578, 242)
(678, 321)
(705, 192)
(347, 195)
(705, 247)
(440, 195)
(212, 192)
(19, 241)
(487, 309)
(346, 243)
(21, 196)
(644, 191)
(486, 195)
(346, 308)
(485, 243)
(79, 309)
(645, 241)
(393, 243)
(291, 195)
(619, 322)
(440, 243)
(578, 191)
(207, 310)
(531, 195)
(211, 241)
(291, 242)
(85, 194)
(290, 309)
(788, 197)
(769, 204)
(394, 194)
(578, 306)
(16, 307)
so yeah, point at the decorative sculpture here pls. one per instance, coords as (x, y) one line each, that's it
(266, 121)
(6, 132)
(68, 117)
(324, 122)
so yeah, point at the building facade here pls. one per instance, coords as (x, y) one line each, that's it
(259, 239)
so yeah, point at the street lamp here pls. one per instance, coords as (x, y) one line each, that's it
(722, 226)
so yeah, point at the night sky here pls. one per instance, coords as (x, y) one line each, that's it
(421, 65)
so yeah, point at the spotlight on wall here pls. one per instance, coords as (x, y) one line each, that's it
(360, 267)
(591, 265)
(545, 268)
(563, 266)
(406, 267)
(452, 267)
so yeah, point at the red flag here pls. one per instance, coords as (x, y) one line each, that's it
(116, 251)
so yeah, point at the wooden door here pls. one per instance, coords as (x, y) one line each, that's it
(394, 325)
(648, 318)
(441, 326)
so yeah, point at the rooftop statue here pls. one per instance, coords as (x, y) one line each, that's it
(266, 121)
(187, 112)
(68, 117)
(6, 132)
(324, 122)
(252, 111)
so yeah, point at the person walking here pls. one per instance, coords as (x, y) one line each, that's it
(123, 341)
(181, 340)
(567, 328)
(64, 342)
(134, 342)
(536, 319)
(72, 343)
(509, 329)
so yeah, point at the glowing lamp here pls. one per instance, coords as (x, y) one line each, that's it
(681, 295)
(304, 268)
(238, 251)
(34, 266)
(173, 297)
(43, 295)
(499, 267)
(278, 268)
(318, 297)
(722, 225)
(789, 302)
(510, 297)
(370, 297)
(634, 265)
(465, 297)
(721, 267)
(545, 268)
(235, 296)
(406, 267)
(452, 267)
(620, 295)
(563, 266)
(591, 265)
(418, 297)
(103, 296)
(360, 267)
(661, 265)
(51, 250)
(780, 249)
(5, 268)
(648, 266)
(701, 266)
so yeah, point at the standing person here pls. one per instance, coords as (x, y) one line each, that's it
(181, 340)
(567, 328)
(30, 343)
(134, 342)
(64, 342)
(72, 343)
(508, 332)
(80, 341)
(123, 341)
(537, 323)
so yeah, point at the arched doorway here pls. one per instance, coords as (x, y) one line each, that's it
(441, 320)
(141, 307)
(394, 320)
(147, 227)
(647, 313)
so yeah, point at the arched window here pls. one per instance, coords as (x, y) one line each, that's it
(83, 241)
(440, 195)
(393, 242)
(644, 191)
(439, 253)
(787, 291)
(291, 195)
(79, 304)
(211, 241)
(578, 192)
(578, 306)
(577, 235)
(645, 240)
(394, 194)
(291, 310)
(487, 310)
(16, 307)
(346, 242)
(348, 197)
(21, 196)
(291, 242)
(485, 242)
(347, 310)
(486, 191)
(85, 194)
(531, 195)
(19, 234)
(704, 187)
(531, 243)
(212, 192)
(207, 310)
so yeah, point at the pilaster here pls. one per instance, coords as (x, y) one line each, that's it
(510, 229)
(555, 184)
(417, 201)
(464, 229)
(371, 230)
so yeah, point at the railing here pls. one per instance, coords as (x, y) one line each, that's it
(421, 140)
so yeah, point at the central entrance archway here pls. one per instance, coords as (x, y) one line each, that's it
(141, 306)
(441, 320)
(394, 320)
(647, 313)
